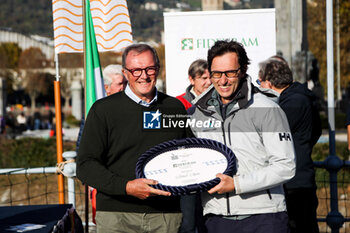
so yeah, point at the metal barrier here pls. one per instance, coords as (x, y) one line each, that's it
(33, 186)
(333, 164)
(68, 169)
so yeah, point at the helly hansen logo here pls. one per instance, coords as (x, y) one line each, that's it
(285, 136)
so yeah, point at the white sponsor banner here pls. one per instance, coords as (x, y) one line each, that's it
(189, 35)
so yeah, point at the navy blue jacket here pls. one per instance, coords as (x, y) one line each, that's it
(298, 103)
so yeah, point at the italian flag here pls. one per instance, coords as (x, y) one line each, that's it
(94, 81)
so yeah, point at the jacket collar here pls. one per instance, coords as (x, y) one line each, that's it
(188, 94)
(271, 94)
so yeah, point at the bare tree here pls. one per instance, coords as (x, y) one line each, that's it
(32, 58)
(65, 88)
(34, 81)
(71, 60)
(107, 58)
(35, 84)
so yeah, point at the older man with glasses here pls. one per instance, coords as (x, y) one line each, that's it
(114, 137)
(113, 79)
(257, 131)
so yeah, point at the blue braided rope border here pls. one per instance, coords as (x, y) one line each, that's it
(187, 143)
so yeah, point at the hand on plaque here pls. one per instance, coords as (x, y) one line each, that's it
(226, 185)
(140, 188)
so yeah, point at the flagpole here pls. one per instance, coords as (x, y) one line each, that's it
(84, 52)
(93, 79)
(59, 145)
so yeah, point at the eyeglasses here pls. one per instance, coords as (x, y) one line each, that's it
(151, 70)
(228, 73)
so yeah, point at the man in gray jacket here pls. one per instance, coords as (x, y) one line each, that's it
(257, 131)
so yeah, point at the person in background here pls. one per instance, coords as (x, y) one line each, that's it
(114, 82)
(51, 115)
(10, 125)
(114, 137)
(191, 208)
(299, 104)
(198, 76)
(347, 123)
(256, 129)
(21, 121)
(2, 124)
(37, 120)
(113, 79)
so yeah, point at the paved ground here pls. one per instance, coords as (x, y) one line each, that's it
(68, 133)
(340, 136)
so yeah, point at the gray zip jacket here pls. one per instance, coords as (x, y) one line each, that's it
(256, 129)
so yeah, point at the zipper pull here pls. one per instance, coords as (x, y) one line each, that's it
(269, 193)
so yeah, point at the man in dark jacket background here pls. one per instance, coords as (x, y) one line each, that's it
(304, 121)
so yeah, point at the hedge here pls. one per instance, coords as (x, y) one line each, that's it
(30, 152)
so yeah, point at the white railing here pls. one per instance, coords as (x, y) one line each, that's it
(68, 169)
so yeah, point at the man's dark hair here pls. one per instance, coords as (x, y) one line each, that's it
(197, 67)
(140, 48)
(277, 72)
(227, 46)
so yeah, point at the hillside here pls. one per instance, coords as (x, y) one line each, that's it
(27, 16)
(35, 16)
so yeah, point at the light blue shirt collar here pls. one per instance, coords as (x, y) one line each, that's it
(136, 99)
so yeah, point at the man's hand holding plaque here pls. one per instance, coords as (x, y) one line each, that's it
(226, 185)
(186, 166)
(141, 188)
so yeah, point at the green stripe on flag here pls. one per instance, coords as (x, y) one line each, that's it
(94, 81)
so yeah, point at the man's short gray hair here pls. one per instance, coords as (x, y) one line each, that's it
(197, 67)
(140, 48)
(111, 70)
